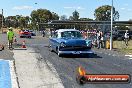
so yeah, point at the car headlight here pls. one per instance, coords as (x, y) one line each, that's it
(62, 44)
(89, 43)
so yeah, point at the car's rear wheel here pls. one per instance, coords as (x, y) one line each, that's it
(3, 48)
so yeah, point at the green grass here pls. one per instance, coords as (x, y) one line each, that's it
(120, 45)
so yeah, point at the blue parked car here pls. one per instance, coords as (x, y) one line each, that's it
(69, 41)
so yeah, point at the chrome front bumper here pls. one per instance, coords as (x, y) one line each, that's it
(76, 52)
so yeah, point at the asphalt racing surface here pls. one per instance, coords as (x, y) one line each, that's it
(103, 62)
(66, 67)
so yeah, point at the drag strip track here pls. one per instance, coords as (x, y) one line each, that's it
(66, 67)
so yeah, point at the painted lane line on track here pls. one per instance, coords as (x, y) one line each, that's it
(130, 58)
(129, 55)
(13, 75)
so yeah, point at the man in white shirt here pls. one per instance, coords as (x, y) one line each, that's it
(126, 36)
(98, 39)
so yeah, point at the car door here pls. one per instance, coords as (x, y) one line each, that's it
(54, 41)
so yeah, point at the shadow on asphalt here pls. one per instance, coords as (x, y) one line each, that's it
(81, 56)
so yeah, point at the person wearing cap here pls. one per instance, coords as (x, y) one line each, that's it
(10, 36)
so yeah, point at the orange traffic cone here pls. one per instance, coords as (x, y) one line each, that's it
(23, 44)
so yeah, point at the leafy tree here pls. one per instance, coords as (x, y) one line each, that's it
(24, 21)
(103, 13)
(75, 16)
(70, 17)
(17, 21)
(55, 16)
(63, 17)
(10, 21)
(41, 16)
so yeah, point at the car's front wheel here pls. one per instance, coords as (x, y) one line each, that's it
(50, 48)
(58, 52)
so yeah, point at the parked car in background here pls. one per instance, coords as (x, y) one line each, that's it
(120, 35)
(69, 41)
(32, 33)
(130, 34)
(24, 34)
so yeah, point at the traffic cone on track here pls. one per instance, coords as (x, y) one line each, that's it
(23, 44)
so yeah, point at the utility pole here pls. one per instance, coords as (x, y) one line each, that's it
(2, 22)
(111, 42)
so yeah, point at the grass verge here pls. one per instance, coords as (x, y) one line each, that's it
(120, 45)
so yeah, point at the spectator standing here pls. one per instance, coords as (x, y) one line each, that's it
(99, 39)
(102, 40)
(126, 36)
(10, 36)
(43, 33)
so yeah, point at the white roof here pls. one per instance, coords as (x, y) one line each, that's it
(63, 30)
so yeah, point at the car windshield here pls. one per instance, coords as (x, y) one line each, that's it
(70, 34)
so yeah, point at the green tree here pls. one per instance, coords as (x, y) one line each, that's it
(41, 16)
(75, 15)
(17, 21)
(55, 16)
(10, 21)
(70, 17)
(103, 13)
(24, 21)
(63, 17)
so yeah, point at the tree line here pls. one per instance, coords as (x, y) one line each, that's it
(102, 13)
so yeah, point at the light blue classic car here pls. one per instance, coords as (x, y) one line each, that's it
(69, 41)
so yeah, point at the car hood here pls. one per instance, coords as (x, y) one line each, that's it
(73, 41)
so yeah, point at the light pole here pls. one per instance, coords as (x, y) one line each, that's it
(2, 22)
(111, 42)
(37, 28)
